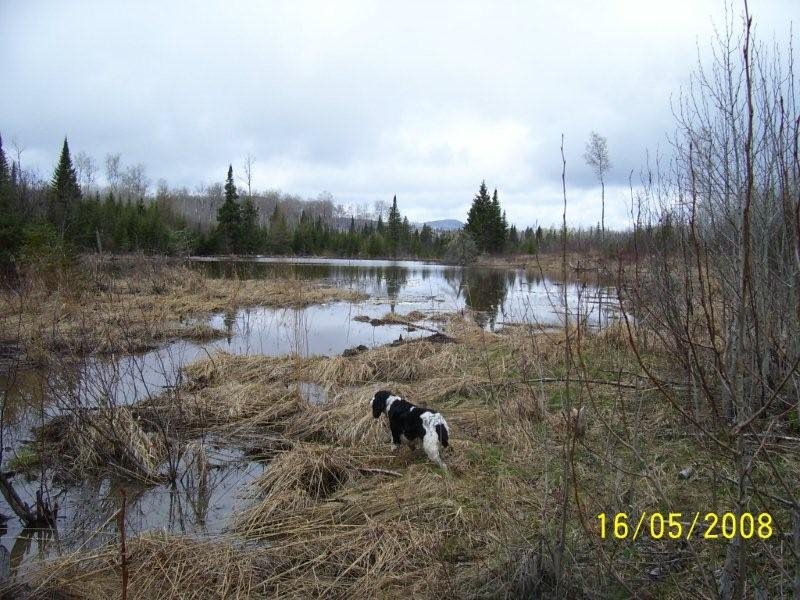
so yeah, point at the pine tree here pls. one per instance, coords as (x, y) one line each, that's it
(229, 216)
(394, 227)
(64, 192)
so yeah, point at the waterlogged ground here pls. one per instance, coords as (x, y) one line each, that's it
(202, 505)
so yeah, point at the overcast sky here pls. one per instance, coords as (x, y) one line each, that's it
(361, 99)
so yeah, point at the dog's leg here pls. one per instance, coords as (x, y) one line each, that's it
(396, 437)
(431, 445)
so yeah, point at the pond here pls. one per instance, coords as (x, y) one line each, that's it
(493, 296)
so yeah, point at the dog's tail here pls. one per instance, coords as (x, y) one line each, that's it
(441, 432)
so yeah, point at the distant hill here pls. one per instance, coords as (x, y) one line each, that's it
(445, 224)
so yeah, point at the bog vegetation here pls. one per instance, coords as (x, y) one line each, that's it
(686, 403)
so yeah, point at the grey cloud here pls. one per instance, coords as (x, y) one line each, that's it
(362, 99)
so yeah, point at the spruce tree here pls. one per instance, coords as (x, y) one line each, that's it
(395, 228)
(10, 223)
(278, 232)
(497, 231)
(248, 232)
(64, 192)
(4, 173)
(479, 221)
(229, 216)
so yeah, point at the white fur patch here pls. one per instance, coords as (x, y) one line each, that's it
(430, 442)
(433, 419)
(389, 401)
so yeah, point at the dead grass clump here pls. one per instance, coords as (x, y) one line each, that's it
(387, 363)
(345, 419)
(467, 331)
(160, 567)
(97, 441)
(222, 367)
(341, 370)
(297, 478)
(364, 539)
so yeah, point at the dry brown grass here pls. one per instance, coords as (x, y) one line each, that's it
(338, 515)
(104, 441)
(160, 566)
(102, 312)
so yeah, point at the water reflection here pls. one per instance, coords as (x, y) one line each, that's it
(497, 295)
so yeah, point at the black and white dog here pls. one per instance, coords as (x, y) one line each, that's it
(410, 423)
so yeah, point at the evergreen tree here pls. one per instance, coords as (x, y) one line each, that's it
(4, 172)
(513, 237)
(496, 232)
(64, 192)
(248, 234)
(395, 228)
(10, 223)
(479, 220)
(229, 216)
(405, 234)
(426, 239)
(278, 232)
(503, 233)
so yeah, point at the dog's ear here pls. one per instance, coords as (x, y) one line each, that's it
(379, 402)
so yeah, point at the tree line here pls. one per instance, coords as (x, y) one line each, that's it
(69, 214)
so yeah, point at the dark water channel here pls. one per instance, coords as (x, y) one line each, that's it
(86, 516)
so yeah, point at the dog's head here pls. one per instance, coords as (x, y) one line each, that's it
(378, 402)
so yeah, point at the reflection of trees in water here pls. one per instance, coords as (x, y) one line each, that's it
(484, 290)
(396, 278)
(12, 560)
(370, 277)
(229, 320)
